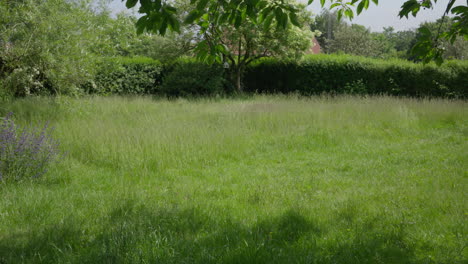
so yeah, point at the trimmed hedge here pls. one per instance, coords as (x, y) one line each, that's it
(132, 76)
(190, 78)
(315, 74)
(339, 74)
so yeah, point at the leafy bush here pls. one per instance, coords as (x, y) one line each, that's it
(138, 75)
(191, 78)
(349, 74)
(46, 47)
(25, 153)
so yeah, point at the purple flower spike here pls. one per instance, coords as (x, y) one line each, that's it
(27, 152)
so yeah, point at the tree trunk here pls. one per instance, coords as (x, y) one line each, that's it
(238, 80)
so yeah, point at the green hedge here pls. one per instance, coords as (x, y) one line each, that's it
(315, 74)
(338, 74)
(137, 75)
(190, 78)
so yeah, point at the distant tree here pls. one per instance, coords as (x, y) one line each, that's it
(457, 49)
(327, 23)
(358, 40)
(429, 45)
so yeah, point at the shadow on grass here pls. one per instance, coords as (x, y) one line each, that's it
(136, 234)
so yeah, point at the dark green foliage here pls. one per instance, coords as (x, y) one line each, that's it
(316, 74)
(127, 76)
(346, 74)
(193, 78)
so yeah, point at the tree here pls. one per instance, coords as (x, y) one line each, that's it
(354, 39)
(457, 49)
(234, 32)
(428, 46)
(44, 46)
(401, 41)
(326, 22)
(250, 41)
(160, 15)
(358, 40)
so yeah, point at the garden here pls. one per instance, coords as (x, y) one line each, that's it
(175, 147)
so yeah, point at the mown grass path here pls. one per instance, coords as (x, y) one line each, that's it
(259, 180)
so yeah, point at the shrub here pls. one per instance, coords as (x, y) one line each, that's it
(350, 74)
(133, 76)
(191, 78)
(46, 47)
(25, 153)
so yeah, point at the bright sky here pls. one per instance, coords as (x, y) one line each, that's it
(376, 17)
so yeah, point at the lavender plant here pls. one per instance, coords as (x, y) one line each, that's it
(25, 152)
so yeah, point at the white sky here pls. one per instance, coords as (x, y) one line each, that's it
(376, 17)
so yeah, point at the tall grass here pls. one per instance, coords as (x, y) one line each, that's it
(257, 180)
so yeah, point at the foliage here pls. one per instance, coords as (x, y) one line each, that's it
(161, 15)
(400, 41)
(312, 75)
(326, 22)
(335, 74)
(240, 46)
(118, 38)
(357, 40)
(25, 152)
(45, 46)
(234, 31)
(428, 46)
(193, 78)
(137, 75)
(458, 49)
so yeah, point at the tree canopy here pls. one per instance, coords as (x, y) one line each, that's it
(160, 15)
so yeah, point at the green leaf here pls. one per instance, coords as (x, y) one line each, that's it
(145, 6)
(459, 10)
(141, 24)
(360, 7)
(339, 14)
(163, 27)
(157, 5)
(284, 20)
(349, 13)
(425, 32)
(267, 22)
(131, 3)
(266, 11)
(410, 6)
(322, 2)
(223, 18)
(238, 20)
(279, 15)
(192, 16)
(294, 19)
(202, 4)
(170, 9)
(173, 23)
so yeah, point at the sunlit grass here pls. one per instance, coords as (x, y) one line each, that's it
(257, 180)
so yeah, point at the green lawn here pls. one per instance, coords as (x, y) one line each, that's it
(257, 180)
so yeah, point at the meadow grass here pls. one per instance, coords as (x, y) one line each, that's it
(267, 179)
